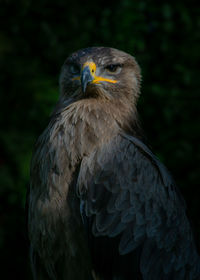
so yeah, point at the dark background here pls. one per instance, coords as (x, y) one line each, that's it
(35, 39)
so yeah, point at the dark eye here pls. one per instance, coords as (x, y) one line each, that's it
(74, 69)
(113, 68)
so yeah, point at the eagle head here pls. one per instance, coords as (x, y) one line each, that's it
(100, 72)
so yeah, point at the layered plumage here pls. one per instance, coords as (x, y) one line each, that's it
(101, 205)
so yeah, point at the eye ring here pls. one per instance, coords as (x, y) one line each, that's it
(74, 69)
(113, 68)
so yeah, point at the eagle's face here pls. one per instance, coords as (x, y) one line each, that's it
(100, 72)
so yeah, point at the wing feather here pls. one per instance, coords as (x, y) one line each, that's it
(131, 196)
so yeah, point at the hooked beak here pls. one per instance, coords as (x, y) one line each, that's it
(86, 77)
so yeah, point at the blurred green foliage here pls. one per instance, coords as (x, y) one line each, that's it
(36, 37)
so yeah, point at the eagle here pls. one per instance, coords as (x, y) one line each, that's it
(101, 206)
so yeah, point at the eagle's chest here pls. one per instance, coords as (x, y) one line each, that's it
(82, 130)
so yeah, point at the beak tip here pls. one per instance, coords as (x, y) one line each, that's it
(86, 78)
(83, 87)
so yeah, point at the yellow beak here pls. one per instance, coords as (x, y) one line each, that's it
(88, 76)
